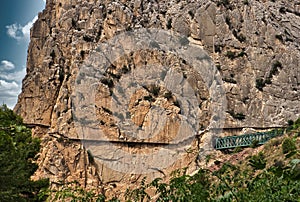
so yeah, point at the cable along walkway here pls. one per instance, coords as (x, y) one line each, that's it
(246, 140)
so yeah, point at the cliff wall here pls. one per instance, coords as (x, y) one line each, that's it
(254, 45)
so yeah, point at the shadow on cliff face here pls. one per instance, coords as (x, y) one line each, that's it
(147, 87)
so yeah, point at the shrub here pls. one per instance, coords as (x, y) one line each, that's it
(107, 81)
(52, 54)
(237, 149)
(229, 80)
(296, 124)
(290, 122)
(191, 14)
(169, 24)
(231, 55)
(73, 192)
(228, 22)
(277, 64)
(275, 142)
(218, 48)
(288, 145)
(177, 103)
(246, 2)
(149, 98)
(238, 116)
(238, 36)
(258, 162)
(273, 71)
(279, 37)
(268, 81)
(154, 89)
(229, 183)
(225, 3)
(242, 53)
(125, 69)
(88, 38)
(282, 10)
(260, 83)
(90, 157)
(168, 95)
(254, 144)
(182, 187)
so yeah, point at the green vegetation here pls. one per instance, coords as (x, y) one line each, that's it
(182, 187)
(288, 145)
(238, 36)
(274, 70)
(268, 175)
(108, 82)
(295, 125)
(246, 2)
(154, 89)
(191, 13)
(229, 80)
(259, 180)
(261, 83)
(17, 152)
(273, 174)
(275, 67)
(72, 192)
(279, 37)
(254, 144)
(232, 55)
(276, 178)
(230, 183)
(168, 95)
(88, 38)
(169, 24)
(225, 3)
(238, 116)
(258, 162)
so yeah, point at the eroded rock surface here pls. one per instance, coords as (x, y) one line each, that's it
(254, 44)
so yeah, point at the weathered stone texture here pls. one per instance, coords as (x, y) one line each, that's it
(247, 41)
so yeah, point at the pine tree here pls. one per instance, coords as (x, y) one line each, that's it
(17, 151)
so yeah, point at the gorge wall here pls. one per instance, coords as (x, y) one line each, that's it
(254, 44)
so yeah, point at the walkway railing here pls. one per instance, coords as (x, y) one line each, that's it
(246, 140)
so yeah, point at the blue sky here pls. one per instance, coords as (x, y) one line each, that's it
(16, 19)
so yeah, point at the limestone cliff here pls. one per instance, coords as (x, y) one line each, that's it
(255, 45)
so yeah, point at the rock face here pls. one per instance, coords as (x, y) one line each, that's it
(254, 44)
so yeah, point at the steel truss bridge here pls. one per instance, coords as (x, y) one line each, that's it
(246, 140)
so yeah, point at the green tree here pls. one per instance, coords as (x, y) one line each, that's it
(17, 152)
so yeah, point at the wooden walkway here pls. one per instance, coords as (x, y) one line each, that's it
(246, 140)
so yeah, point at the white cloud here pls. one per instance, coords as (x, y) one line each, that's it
(9, 92)
(16, 76)
(8, 85)
(6, 65)
(15, 31)
(7, 74)
(10, 82)
(20, 32)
